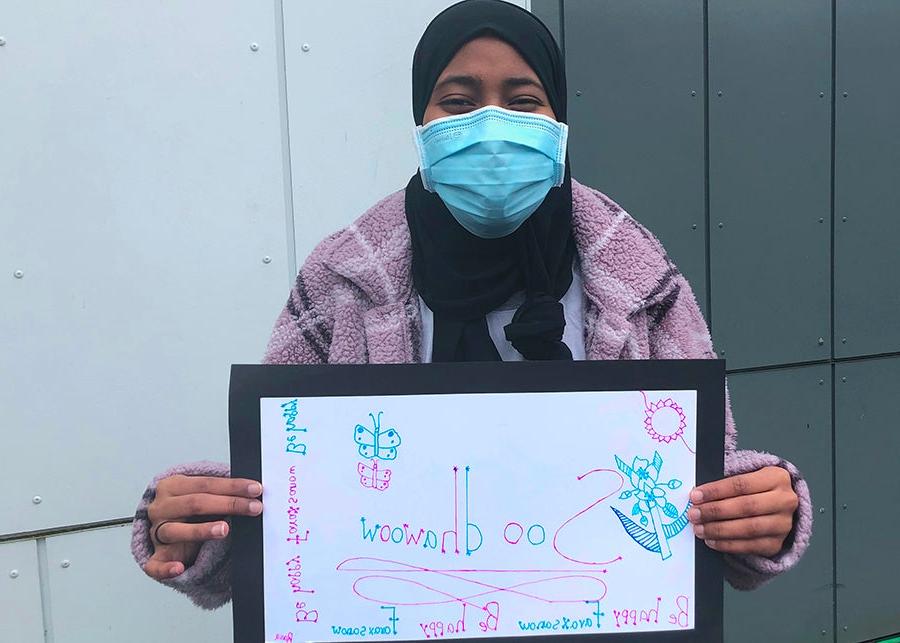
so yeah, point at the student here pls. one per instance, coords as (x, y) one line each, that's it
(491, 252)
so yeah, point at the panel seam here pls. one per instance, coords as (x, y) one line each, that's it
(65, 529)
(286, 164)
(834, 362)
(44, 584)
(562, 29)
(706, 213)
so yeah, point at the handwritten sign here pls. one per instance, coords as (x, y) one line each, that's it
(459, 514)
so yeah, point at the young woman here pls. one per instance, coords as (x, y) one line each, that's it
(491, 252)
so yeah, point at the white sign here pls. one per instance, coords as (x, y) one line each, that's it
(418, 517)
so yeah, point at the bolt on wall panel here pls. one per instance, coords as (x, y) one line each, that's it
(867, 490)
(142, 240)
(635, 74)
(867, 178)
(21, 619)
(769, 179)
(98, 593)
(788, 412)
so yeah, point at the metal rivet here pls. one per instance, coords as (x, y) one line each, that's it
(578, 92)
(719, 93)
(65, 564)
(267, 259)
(843, 379)
(821, 219)
(305, 46)
(14, 573)
(845, 96)
(821, 341)
(843, 506)
(37, 500)
(821, 382)
(693, 93)
(824, 632)
(843, 340)
(822, 95)
(694, 226)
(845, 628)
(2, 41)
(18, 274)
(721, 225)
(844, 219)
(254, 46)
(821, 510)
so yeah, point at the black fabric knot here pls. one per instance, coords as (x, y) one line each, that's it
(537, 328)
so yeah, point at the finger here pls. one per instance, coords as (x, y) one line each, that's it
(761, 546)
(184, 485)
(174, 532)
(163, 569)
(758, 504)
(202, 504)
(778, 525)
(741, 485)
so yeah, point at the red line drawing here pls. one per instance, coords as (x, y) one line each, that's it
(455, 510)
(344, 566)
(392, 566)
(669, 423)
(585, 510)
(373, 478)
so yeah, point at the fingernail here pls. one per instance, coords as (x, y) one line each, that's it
(693, 514)
(710, 543)
(218, 530)
(254, 489)
(255, 506)
(696, 496)
(698, 531)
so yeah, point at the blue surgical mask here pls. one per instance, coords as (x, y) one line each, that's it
(492, 167)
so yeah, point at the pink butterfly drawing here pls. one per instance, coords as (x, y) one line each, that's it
(373, 478)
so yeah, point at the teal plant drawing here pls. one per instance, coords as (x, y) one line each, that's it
(651, 505)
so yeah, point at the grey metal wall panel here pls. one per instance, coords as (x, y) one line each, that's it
(867, 178)
(142, 188)
(97, 593)
(549, 13)
(21, 619)
(769, 179)
(866, 446)
(635, 72)
(788, 412)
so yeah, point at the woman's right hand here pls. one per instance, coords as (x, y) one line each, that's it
(176, 517)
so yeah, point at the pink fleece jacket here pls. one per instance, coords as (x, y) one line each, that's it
(353, 302)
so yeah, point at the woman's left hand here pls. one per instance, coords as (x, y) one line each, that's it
(750, 513)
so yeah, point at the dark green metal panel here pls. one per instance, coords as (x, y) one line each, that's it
(769, 179)
(635, 72)
(788, 412)
(867, 444)
(867, 178)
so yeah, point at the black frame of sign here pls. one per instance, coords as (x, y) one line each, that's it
(250, 383)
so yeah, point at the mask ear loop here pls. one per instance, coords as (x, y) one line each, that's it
(560, 159)
(424, 174)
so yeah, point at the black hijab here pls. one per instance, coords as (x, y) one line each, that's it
(462, 277)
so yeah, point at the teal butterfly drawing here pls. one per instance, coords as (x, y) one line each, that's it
(376, 443)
